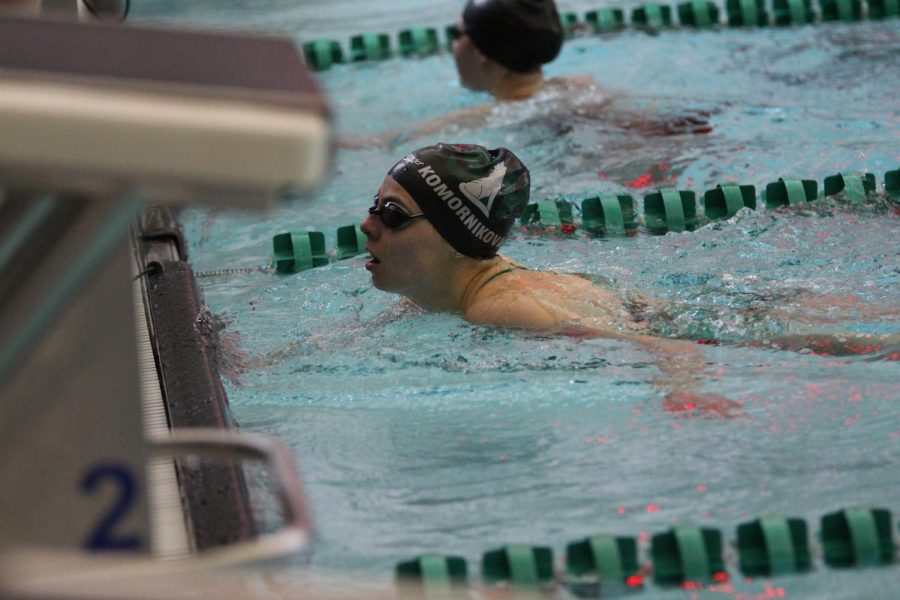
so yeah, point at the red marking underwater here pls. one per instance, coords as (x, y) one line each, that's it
(642, 181)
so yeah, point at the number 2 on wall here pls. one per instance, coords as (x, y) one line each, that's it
(103, 536)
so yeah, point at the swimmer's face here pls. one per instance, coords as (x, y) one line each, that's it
(469, 61)
(405, 260)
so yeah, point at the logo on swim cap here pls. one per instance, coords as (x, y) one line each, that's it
(413, 159)
(486, 187)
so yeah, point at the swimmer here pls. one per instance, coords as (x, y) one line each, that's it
(500, 47)
(433, 234)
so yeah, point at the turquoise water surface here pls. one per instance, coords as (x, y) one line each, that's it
(422, 433)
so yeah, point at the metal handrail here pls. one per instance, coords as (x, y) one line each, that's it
(297, 530)
(27, 571)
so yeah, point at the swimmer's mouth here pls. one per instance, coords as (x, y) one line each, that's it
(373, 260)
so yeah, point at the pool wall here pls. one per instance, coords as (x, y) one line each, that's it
(215, 495)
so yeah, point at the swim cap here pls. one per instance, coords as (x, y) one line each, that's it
(471, 195)
(521, 35)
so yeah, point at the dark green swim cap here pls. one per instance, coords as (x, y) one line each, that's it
(471, 195)
(521, 35)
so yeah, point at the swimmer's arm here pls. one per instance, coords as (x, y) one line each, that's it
(618, 110)
(466, 118)
(341, 335)
(681, 362)
(683, 373)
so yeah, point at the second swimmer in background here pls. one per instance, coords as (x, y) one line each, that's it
(500, 47)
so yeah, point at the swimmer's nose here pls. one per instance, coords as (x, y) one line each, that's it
(369, 226)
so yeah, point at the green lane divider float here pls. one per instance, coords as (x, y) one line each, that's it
(350, 241)
(570, 23)
(610, 559)
(686, 555)
(792, 12)
(773, 546)
(892, 184)
(421, 41)
(652, 14)
(884, 9)
(767, 547)
(855, 187)
(857, 537)
(670, 210)
(548, 213)
(321, 54)
(370, 46)
(609, 214)
(606, 20)
(434, 572)
(790, 192)
(297, 251)
(746, 13)
(521, 566)
(698, 13)
(448, 37)
(727, 199)
(841, 10)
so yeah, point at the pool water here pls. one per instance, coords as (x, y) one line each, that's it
(422, 433)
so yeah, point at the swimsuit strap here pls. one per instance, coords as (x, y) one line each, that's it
(499, 273)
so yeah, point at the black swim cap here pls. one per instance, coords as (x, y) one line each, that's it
(521, 35)
(471, 195)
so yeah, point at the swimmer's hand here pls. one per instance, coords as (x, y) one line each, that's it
(688, 124)
(848, 344)
(683, 371)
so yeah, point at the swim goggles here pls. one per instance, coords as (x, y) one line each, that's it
(456, 31)
(393, 215)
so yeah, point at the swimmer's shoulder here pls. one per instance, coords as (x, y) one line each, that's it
(572, 82)
(518, 280)
(582, 87)
(506, 308)
(525, 298)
